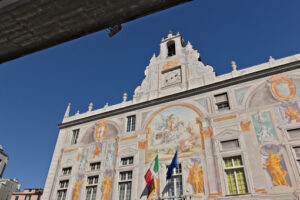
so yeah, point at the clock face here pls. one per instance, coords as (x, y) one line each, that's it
(172, 77)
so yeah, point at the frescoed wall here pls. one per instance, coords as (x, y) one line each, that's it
(110, 155)
(274, 166)
(173, 128)
(195, 175)
(107, 185)
(264, 128)
(102, 129)
(101, 142)
(255, 136)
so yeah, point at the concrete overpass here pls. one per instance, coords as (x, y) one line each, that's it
(27, 26)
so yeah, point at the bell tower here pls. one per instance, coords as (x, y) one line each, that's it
(177, 68)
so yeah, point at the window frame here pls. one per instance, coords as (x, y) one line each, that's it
(65, 181)
(291, 129)
(177, 172)
(93, 192)
(234, 168)
(131, 123)
(217, 103)
(95, 163)
(94, 180)
(66, 168)
(125, 182)
(64, 192)
(127, 159)
(228, 140)
(91, 183)
(63, 189)
(75, 136)
(295, 154)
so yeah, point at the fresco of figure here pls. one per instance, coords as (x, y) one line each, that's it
(106, 187)
(110, 155)
(275, 169)
(76, 189)
(196, 178)
(264, 127)
(173, 128)
(187, 144)
(265, 134)
(170, 124)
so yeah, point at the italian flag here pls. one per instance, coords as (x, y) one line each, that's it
(149, 176)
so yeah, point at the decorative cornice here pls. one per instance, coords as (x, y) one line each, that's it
(188, 93)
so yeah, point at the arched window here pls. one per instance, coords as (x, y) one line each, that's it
(171, 48)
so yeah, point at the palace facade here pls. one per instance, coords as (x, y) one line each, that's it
(237, 134)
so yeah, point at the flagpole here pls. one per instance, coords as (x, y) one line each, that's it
(158, 191)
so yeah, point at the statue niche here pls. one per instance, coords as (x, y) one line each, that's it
(275, 169)
(196, 178)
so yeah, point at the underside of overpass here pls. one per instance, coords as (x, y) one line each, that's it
(27, 26)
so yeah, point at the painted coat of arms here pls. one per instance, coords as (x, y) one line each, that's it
(282, 87)
(100, 129)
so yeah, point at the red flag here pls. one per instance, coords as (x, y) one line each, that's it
(148, 178)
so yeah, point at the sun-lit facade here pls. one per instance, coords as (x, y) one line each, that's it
(237, 135)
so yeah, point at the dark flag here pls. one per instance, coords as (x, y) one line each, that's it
(174, 164)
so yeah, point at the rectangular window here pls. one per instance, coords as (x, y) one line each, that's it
(91, 189)
(91, 192)
(297, 153)
(222, 102)
(95, 166)
(63, 184)
(127, 161)
(17, 198)
(174, 185)
(75, 136)
(67, 170)
(294, 133)
(131, 123)
(61, 194)
(230, 144)
(92, 180)
(125, 185)
(28, 197)
(235, 175)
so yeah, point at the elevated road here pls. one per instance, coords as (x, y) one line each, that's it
(27, 26)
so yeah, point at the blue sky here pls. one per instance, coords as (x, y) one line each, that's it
(35, 90)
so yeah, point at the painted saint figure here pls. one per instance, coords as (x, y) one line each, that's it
(186, 145)
(76, 189)
(275, 169)
(106, 187)
(265, 134)
(196, 178)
